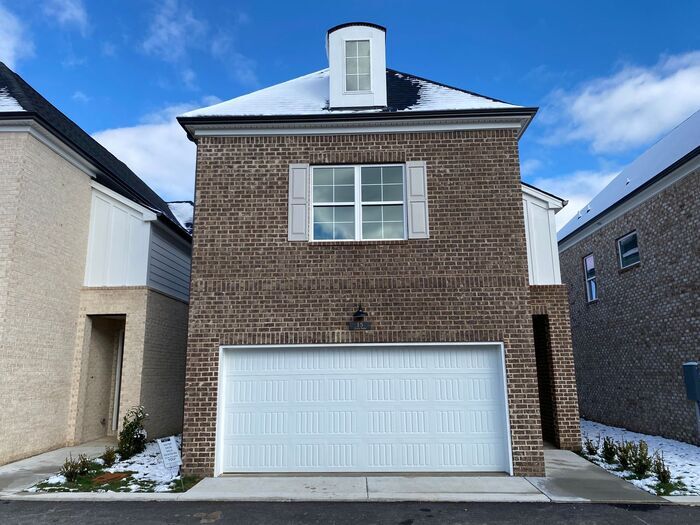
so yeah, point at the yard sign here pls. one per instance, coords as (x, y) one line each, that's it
(169, 452)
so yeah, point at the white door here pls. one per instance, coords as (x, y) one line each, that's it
(363, 409)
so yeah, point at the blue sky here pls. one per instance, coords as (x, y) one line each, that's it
(610, 77)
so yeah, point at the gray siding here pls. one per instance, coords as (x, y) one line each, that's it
(169, 262)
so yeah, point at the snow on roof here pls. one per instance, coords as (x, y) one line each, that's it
(309, 94)
(677, 144)
(7, 102)
(184, 213)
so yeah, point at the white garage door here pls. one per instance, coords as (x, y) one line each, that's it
(363, 409)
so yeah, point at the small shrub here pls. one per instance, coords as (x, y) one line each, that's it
(590, 446)
(109, 456)
(642, 461)
(609, 450)
(661, 470)
(71, 468)
(132, 438)
(626, 453)
(84, 464)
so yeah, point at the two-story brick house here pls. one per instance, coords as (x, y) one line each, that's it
(359, 190)
(94, 285)
(631, 261)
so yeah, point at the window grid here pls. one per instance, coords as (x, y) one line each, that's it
(357, 65)
(590, 277)
(389, 214)
(628, 250)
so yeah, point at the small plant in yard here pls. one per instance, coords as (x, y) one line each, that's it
(71, 468)
(590, 446)
(609, 450)
(626, 453)
(132, 438)
(109, 456)
(84, 464)
(643, 462)
(661, 470)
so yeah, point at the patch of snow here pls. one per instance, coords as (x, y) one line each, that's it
(309, 95)
(671, 148)
(99, 461)
(55, 480)
(184, 213)
(148, 466)
(683, 459)
(7, 102)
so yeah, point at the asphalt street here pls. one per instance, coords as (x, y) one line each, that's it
(37, 512)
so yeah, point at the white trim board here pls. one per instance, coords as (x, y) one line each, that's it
(221, 395)
(635, 200)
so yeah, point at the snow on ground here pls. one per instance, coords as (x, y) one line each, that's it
(683, 459)
(148, 466)
(7, 102)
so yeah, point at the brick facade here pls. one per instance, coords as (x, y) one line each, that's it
(468, 282)
(630, 344)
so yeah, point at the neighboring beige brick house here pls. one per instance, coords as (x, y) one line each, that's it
(360, 185)
(94, 285)
(631, 259)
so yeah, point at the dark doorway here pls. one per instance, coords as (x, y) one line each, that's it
(543, 355)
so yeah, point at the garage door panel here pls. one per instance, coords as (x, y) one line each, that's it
(363, 409)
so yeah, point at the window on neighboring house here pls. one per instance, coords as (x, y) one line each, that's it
(358, 203)
(628, 250)
(589, 273)
(357, 65)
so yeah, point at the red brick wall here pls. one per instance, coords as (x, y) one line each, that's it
(468, 282)
(553, 301)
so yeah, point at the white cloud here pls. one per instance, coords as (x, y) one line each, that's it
(157, 150)
(189, 78)
(529, 166)
(79, 96)
(631, 107)
(68, 13)
(15, 42)
(578, 188)
(172, 29)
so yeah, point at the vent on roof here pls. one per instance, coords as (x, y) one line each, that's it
(357, 63)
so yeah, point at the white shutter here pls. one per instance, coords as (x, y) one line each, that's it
(298, 202)
(417, 192)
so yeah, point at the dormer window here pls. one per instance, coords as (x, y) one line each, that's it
(357, 66)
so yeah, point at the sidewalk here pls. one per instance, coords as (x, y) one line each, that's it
(570, 478)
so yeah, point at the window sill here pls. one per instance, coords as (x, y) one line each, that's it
(629, 268)
(355, 243)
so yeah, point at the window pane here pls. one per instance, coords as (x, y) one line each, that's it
(323, 176)
(351, 48)
(363, 65)
(351, 83)
(363, 48)
(592, 290)
(371, 175)
(323, 214)
(363, 83)
(344, 176)
(589, 265)
(345, 230)
(392, 175)
(371, 213)
(392, 213)
(371, 193)
(351, 65)
(372, 230)
(323, 231)
(393, 230)
(393, 192)
(629, 251)
(323, 193)
(344, 194)
(345, 214)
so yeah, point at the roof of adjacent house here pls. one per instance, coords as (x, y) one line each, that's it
(19, 100)
(309, 95)
(672, 151)
(184, 212)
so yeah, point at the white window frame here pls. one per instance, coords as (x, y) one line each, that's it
(358, 202)
(587, 279)
(346, 91)
(619, 250)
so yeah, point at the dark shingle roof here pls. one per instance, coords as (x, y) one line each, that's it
(113, 173)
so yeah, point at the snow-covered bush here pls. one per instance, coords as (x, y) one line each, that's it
(590, 446)
(642, 460)
(661, 470)
(626, 453)
(609, 450)
(132, 438)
